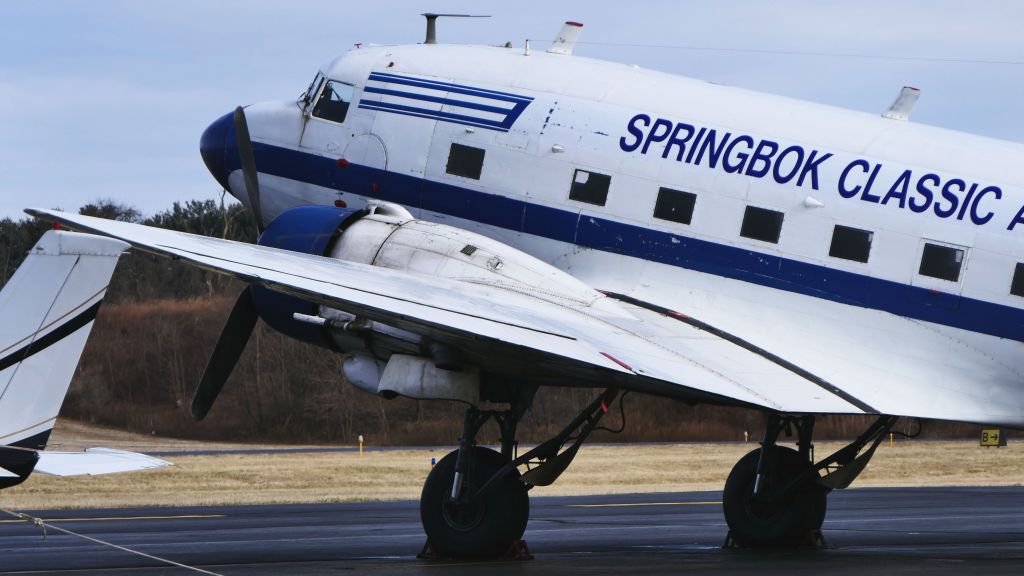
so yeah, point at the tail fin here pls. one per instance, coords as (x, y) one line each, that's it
(46, 313)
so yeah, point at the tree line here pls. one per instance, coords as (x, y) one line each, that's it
(161, 318)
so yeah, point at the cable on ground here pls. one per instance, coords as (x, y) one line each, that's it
(43, 524)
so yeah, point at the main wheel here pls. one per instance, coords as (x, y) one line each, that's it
(485, 527)
(784, 523)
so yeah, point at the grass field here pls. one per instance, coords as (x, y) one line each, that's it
(399, 474)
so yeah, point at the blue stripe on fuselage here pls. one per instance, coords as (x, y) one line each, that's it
(654, 245)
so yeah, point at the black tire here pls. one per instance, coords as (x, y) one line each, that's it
(485, 528)
(782, 524)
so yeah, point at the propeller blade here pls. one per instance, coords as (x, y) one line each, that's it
(233, 338)
(248, 160)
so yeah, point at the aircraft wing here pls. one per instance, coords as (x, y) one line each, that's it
(886, 363)
(583, 345)
(95, 461)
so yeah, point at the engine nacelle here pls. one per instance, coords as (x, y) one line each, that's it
(399, 242)
(387, 360)
(309, 230)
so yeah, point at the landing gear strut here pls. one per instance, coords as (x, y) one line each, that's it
(456, 522)
(475, 501)
(776, 496)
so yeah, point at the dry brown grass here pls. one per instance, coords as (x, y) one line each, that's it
(71, 435)
(399, 474)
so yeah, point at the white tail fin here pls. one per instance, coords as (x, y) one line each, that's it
(46, 312)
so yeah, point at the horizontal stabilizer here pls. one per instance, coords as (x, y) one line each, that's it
(95, 461)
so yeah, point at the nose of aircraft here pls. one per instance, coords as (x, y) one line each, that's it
(218, 148)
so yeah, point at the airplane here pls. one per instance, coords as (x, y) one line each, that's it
(470, 223)
(49, 307)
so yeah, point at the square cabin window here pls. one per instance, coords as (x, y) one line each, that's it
(675, 205)
(1017, 286)
(941, 262)
(761, 224)
(851, 244)
(465, 161)
(590, 187)
(333, 101)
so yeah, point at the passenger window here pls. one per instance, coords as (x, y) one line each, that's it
(590, 187)
(465, 161)
(333, 102)
(761, 224)
(674, 205)
(941, 262)
(851, 244)
(1017, 286)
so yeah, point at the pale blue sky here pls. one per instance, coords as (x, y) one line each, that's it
(108, 99)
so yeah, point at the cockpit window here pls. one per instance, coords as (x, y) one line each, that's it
(307, 96)
(333, 102)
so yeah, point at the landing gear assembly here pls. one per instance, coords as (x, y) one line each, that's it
(475, 502)
(776, 496)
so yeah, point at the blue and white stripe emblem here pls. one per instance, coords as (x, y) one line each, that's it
(442, 101)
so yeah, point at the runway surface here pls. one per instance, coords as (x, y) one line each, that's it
(895, 531)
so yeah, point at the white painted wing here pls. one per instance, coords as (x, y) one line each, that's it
(889, 364)
(95, 461)
(582, 343)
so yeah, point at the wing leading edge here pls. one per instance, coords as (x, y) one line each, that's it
(580, 342)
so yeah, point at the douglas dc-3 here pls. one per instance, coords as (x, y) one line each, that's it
(470, 223)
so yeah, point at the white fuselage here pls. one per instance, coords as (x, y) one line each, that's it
(542, 118)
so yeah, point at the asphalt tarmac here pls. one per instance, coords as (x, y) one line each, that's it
(891, 531)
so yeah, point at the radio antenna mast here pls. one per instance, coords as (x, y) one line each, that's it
(432, 23)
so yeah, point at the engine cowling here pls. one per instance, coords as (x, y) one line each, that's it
(309, 230)
(388, 236)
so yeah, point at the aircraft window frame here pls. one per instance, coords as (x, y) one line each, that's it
(469, 163)
(592, 189)
(675, 205)
(930, 254)
(755, 217)
(329, 83)
(1017, 284)
(313, 89)
(850, 243)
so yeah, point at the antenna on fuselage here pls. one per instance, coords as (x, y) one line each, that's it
(904, 103)
(432, 23)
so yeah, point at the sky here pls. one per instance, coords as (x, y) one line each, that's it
(107, 99)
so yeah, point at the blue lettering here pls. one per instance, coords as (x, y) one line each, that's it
(636, 132)
(925, 193)
(843, 190)
(867, 196)
(675, 140)
(654, 135)
(967, 200)
(696, 143)
(1018, 219)
(899, 189)
(740, 156)
(777, 169)
(811, 167)
(764, 152)
(948, 194)
(981, 220)
(709, 143)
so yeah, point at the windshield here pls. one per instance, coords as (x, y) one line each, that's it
(307, 96)
(333, 102)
